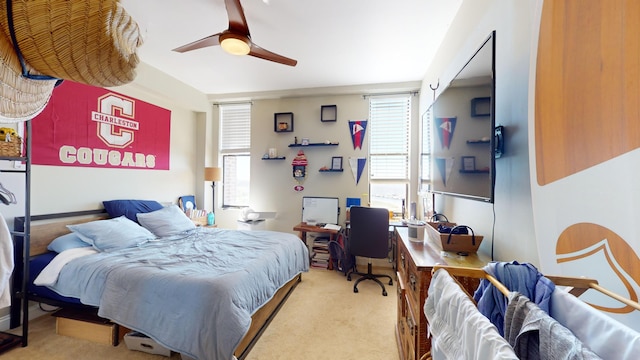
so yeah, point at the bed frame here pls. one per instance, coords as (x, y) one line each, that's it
(45, 228)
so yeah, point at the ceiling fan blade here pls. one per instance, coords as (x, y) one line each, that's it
(261, 53)
(211, 40)
(237, 20)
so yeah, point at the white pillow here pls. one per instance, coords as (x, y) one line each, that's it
(112, 234)
(166, 221)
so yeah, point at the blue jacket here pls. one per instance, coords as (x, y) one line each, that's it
(522, 278)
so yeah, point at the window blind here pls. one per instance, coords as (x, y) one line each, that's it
(389, 140)
(235, 127)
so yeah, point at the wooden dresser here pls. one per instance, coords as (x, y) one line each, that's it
(415, 260)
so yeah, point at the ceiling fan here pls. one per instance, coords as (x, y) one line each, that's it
(236, 39)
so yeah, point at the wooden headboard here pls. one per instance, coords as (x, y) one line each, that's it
(45, 228)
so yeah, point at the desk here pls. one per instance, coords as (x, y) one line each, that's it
(303, 228)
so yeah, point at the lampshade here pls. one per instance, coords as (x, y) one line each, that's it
(234, 44)
(212, 174)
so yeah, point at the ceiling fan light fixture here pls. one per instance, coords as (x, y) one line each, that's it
(235, 44)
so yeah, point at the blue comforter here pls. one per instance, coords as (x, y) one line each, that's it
(195, 293)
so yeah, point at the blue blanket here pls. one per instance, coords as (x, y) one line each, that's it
(195, 293)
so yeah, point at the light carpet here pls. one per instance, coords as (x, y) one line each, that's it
(322, 319)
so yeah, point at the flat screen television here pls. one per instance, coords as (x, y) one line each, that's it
(320, 210)
(463, 123)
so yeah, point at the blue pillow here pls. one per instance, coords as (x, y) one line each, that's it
(66, 242)
(112, 234)
(130, 208)
(166, 221)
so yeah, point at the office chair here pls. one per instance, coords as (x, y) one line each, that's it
(369, 237)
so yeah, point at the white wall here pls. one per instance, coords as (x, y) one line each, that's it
(272, 183)
(514, 236)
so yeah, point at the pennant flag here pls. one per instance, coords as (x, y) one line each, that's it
(357, 128)
(357, 167)
(446, 127)
(445, 165)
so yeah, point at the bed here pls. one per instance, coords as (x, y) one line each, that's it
(241, 278)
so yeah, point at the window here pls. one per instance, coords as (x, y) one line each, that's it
(425, 152)
(235, 140)
(389, 120)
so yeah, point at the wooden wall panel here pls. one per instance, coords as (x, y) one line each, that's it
(587, 85)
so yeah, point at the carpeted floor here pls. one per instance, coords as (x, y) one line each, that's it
(322, 319)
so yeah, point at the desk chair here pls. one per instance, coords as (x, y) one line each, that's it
(369, 237)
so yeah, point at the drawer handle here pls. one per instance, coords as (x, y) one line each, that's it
(413, 281)
(411, 325)
(403, 260)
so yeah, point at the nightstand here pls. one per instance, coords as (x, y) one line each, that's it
(202, 221)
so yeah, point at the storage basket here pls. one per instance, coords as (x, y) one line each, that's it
(11, 148)
(462, 244)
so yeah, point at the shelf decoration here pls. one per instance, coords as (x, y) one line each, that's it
(446, 127)
(357, 129)
(336, 165)
(283, 122)
(328, 113)
(357, 167)
(299, 164)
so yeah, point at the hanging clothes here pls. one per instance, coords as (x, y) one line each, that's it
(6, 263)
(534, 334)
(522, 278)
(459, 330)
(607, 337)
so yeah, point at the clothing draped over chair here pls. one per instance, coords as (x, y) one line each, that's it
(459, 330)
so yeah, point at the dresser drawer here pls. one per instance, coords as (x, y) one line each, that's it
(401, 292)
(412, 331)
(414, 282)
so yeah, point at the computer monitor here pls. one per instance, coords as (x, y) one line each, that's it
(320, 210)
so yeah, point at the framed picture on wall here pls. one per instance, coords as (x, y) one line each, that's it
(336, 163)
(468, 163)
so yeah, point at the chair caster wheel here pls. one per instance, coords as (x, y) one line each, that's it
(348, 277)
(391, 282)
(355, 290)
(384, 292)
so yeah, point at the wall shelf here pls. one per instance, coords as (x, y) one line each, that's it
(478, 141)
(275, 158)
(328, 113)
(480, 106)
(313, 144)
(474, 171)
(283, 122)
(331, 170)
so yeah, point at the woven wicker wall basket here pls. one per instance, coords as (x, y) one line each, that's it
(87, 41)
(11, 148)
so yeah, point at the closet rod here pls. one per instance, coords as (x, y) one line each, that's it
(474, 273)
